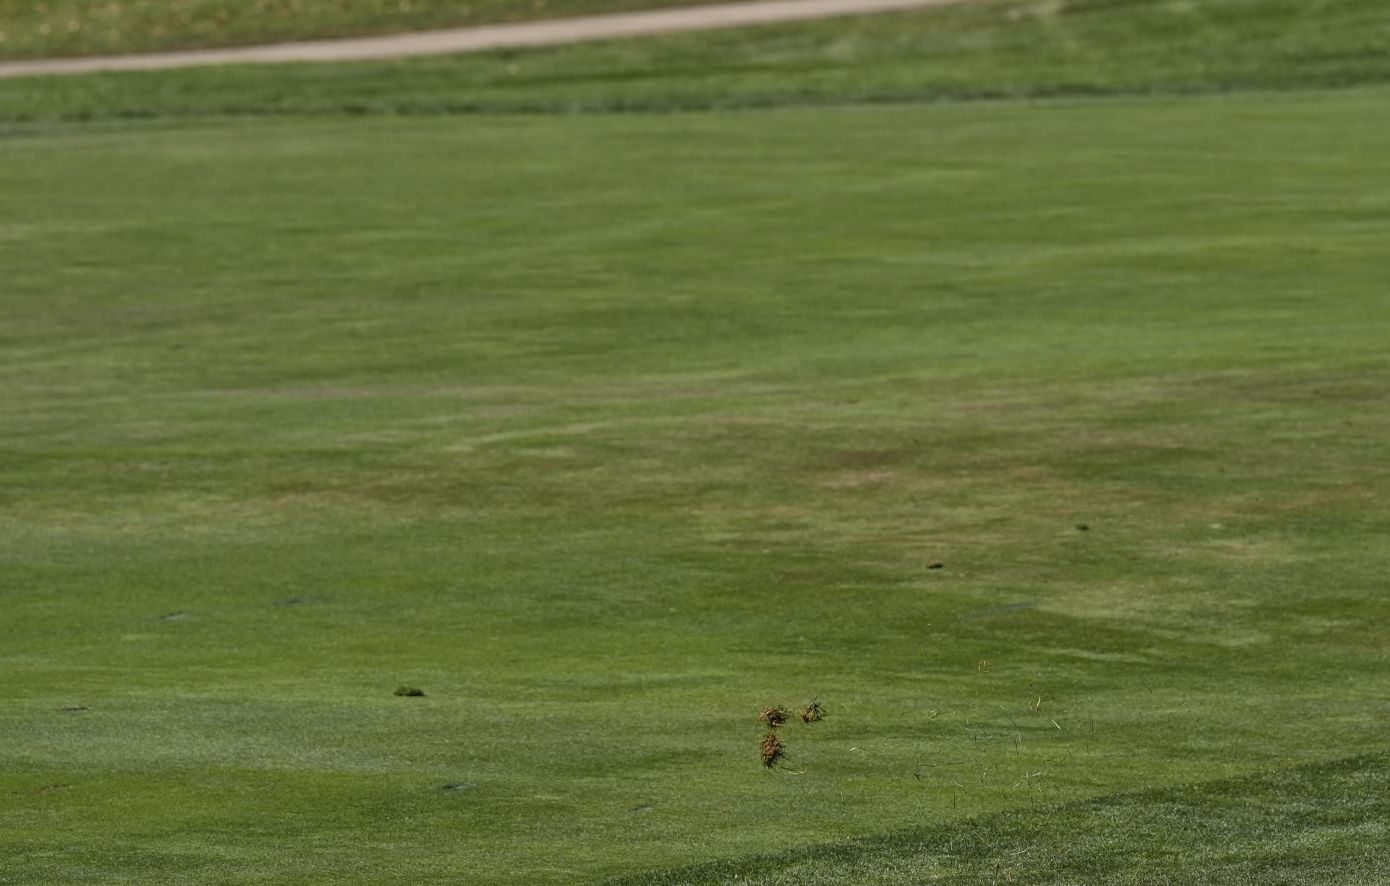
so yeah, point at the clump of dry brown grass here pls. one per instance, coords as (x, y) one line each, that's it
(772, 750)
(773, 717)
(813, 712)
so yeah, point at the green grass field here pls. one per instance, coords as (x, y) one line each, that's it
(993, 49)
(1317, 824)
(608, 430)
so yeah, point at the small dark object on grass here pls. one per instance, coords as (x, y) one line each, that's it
(410, 692)
(461, 786)
(936, 564)
(1082, 527)
(773, 717)
(813, 712)
(772, 750)
(76, 707)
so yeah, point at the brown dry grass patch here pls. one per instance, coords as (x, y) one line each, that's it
(773, 717)
(772, 750)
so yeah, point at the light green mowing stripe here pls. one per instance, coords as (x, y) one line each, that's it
(1000, 49)
(607, 431)
(1326, 824)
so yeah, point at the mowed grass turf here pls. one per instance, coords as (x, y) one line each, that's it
(607, 431)
(1324, 824)
(988, 49)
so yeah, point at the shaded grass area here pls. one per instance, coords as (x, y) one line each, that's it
(1009, 48)
(1327, 823)
(50, 28)
(608, 432)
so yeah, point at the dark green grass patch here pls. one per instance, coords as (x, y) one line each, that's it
(1011, 48)
(607, 432)
(1326, 824)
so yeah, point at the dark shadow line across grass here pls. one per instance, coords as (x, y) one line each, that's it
(23, 124)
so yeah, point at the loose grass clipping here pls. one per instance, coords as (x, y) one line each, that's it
(812, 713)
(773, 717)
(772, 750)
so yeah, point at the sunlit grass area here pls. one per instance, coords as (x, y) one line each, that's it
(1044, 444)
(427, 471)
(1325, 824)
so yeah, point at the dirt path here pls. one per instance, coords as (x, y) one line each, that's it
(456, 40)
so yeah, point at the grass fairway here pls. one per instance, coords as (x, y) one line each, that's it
(606, 431)
(1326, 824)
